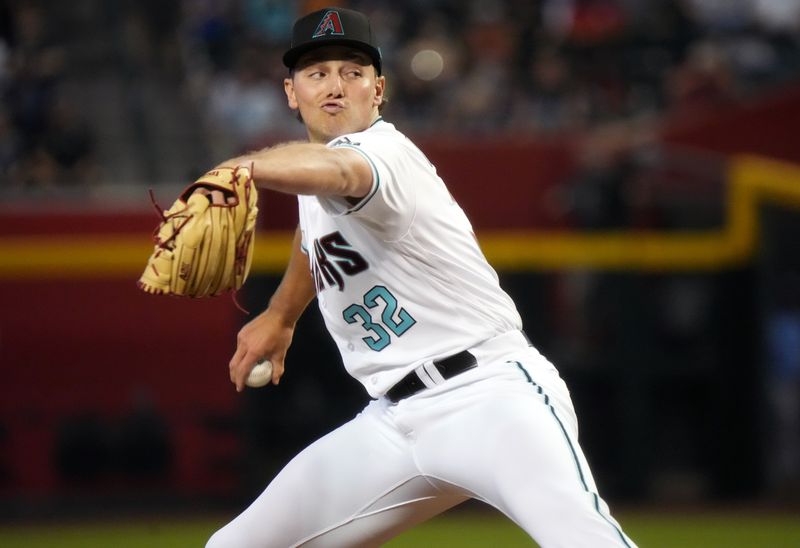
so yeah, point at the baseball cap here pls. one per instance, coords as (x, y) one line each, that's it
(332, 27)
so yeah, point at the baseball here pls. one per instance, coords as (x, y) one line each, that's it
(261, 375)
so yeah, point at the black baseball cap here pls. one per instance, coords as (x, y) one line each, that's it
(332, 27)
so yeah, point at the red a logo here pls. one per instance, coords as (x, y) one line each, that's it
(331, 24)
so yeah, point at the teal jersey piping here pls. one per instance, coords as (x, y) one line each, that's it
(375, 186)
(581, 475)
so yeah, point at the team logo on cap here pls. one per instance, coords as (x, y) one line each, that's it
(331, 24)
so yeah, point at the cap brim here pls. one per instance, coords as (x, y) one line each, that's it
(291, 57)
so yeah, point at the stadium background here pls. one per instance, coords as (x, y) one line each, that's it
(630, 167)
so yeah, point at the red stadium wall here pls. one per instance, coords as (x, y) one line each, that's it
(767, 126)
(72, 349)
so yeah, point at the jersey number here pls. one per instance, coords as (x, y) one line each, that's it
(392, 319)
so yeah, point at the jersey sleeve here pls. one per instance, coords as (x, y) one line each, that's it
(389, 206)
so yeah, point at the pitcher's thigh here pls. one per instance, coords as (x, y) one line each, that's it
(555, 497)
(343, 487)
(522, 457)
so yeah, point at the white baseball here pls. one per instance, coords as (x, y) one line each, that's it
(261, 375)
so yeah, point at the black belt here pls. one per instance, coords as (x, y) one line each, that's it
(449, 367)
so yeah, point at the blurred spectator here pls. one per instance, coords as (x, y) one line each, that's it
(67, 144)
(546, 97)
(143, 448)
(63, 152)
(36, 65)
(606, 191)
(597, 195)
(703, 81)
(780, 302)
(783, 391)
(209, 34)
(249, 103)
(10, 146)
(6, 32)
(149, 37)
(481, 99)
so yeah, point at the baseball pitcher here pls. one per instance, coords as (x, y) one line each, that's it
(463, 405)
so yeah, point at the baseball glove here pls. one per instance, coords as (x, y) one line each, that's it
(204, 247)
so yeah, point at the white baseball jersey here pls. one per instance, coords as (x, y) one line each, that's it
(401, 281)
(400, 277)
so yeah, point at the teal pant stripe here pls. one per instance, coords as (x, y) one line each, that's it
(595, 496)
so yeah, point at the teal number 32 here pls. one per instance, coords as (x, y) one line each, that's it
(392, 318)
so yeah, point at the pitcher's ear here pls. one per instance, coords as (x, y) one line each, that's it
(380, 89)
(288, 87)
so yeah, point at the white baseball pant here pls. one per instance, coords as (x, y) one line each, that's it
(504, 433)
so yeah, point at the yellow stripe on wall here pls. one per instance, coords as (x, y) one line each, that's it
(87, 256)
(752, 181)
(72, 256)
(606, 250)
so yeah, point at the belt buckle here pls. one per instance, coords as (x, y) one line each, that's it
(443, 369)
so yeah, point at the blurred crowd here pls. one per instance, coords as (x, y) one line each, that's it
(43, 138)
(530, 67)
